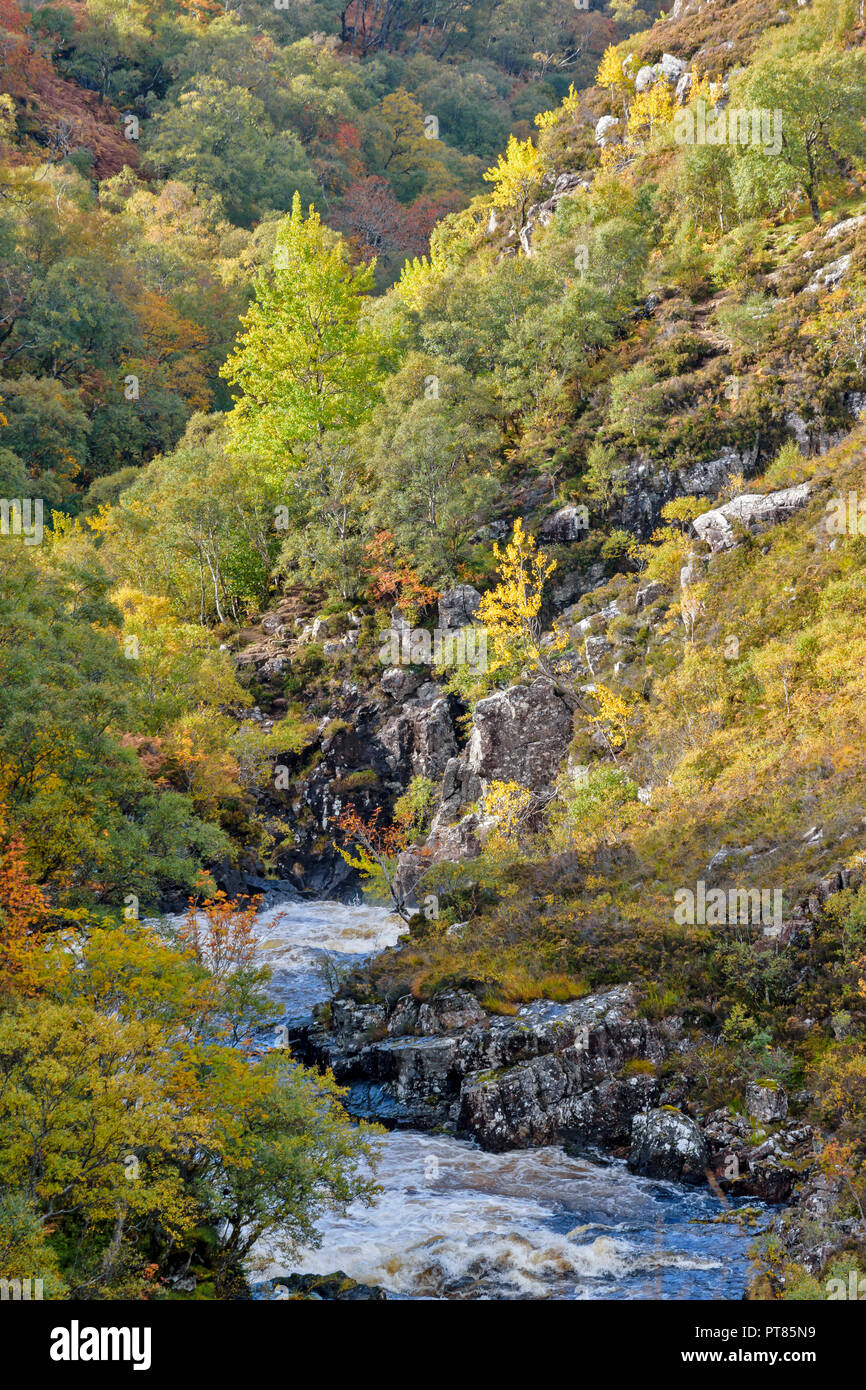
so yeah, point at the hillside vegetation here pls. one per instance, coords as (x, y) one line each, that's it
(372, 309)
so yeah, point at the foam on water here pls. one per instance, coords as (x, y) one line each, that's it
(455, 1222)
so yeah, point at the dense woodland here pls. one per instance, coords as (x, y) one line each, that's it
(280, 322)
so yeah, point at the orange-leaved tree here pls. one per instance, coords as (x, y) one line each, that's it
(218, 933)
(374, 853)
(23, 910)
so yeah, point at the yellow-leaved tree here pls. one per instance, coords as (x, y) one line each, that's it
(650, 109)
(613, 76)
(612, 718)
(510, 612)
(567, 110)
(516, 176)
(509, 804)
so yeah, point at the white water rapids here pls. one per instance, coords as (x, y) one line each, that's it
(455, 1222)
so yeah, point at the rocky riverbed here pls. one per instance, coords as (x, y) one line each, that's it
(510, 1170)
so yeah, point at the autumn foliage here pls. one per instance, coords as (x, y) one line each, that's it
(393, 577)
(22, 909)
(53, 111)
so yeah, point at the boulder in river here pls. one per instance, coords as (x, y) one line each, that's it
(326, 1288)
(665, 1143)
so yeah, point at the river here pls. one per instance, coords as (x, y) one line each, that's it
(455, 1222)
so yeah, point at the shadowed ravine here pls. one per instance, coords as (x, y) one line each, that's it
(455, 1222)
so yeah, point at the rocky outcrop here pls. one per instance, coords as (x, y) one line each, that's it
(647, 595)
(667, 1144)
(608, 131)
(569, 523)
(328, 1288)
(421, 736)
(595, 650)
(766, 1101)
(553, 1072)
(669, 69)
(752, 511)
(518, 735)
(810, 1231)
(458, 606)
(648, 488)
(752, 1161)
(540, 214)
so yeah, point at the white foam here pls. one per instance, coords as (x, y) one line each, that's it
(454, 1221)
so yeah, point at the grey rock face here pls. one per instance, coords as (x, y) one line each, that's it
(766, 1103)
(648, 594)
(462, 840)
(667, 1144)
(829, 276)
(748, 1165)
(648, 488)
(573, 584)
(520, 735)
(458, 607)
(596, 649)
(751, 510)
(460, 787)
(420, 737)
(550, 1072)
(608, 131)
(540, 214)
(672, 68)
(567, 524)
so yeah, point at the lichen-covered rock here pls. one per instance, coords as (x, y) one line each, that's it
(518, 735)
(553, 1072)
(667, 1144)
(766, 1101)
(648, 486)
(809, 1231)
(450, 1012)
(753, 1163)
(326, 1288)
